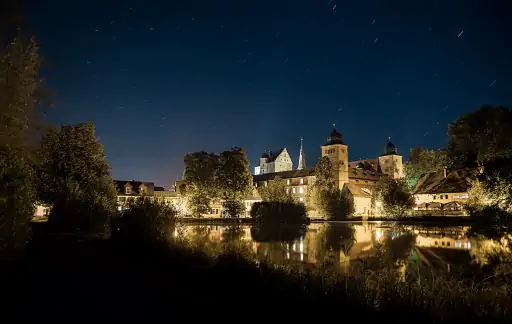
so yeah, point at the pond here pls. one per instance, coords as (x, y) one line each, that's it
(457, 250)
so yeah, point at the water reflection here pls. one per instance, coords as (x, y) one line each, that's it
(450, 249)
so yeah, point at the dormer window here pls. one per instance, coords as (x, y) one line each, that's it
(128, 190)
(143, 190)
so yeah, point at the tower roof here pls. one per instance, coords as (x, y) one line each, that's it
(335, 137)
(391, 148)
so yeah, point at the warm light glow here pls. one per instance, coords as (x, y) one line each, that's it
(301, 247)
(301, 190)
(301, 199)
(378, 204)
(301, 180)
(378, 234)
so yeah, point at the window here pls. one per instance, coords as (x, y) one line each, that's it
(288, 182)
(465, 196)
(287, 190)
(293, 190)
(128, 190)
(434, 198)
(301, 180)
(445, 196)
(456, 196)
(143, 190)
(256, 184)
(301, 190)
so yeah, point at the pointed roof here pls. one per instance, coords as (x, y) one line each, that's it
(302, 158)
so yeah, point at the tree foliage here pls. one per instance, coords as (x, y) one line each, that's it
(148, 219)
(234, 180)
(208, 176)
(337, 205)
(424, 161)
(19, 69)
(275, 191)
(74, 178)
(490, 198)
(324, 181)
(395, 196)
(481, 136)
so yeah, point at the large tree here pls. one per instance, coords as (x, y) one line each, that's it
(19, 68)
(482, 136)
(424, 161)
(275, 190)
(234, 180)
(324, 181)
(74, 178)
(200, 183)
(209, 176)
(395, 196)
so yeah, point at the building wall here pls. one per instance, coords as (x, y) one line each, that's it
(392, 165)
(442, 198)
(362, 206)
(338, 154)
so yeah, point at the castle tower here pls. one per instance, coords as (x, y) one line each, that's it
(337, 152)
(391, 162)
(302, 158)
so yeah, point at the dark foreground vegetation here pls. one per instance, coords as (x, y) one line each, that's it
(133, 277)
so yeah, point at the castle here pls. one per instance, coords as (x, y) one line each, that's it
(356, 178)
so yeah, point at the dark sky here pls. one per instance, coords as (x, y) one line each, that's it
(162, 78)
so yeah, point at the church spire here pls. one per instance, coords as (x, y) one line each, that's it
(302, 158)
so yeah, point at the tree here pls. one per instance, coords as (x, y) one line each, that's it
(275, 191)
(424, 161)
(395, 195)
(490, 197)
(148, 219)
(234, 180)
(481, 136)
(200, 183)
(208, 176)
(337, 205)
(19, 69)
(74, 178)
(324, 181)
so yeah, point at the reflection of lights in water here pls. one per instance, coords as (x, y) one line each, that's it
(378, 234)
(175, 232)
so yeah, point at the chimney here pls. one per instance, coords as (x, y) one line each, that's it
(444, 173)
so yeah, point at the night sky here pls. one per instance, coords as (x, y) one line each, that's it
(163, 78)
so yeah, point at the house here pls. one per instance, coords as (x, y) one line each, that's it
(444, 189)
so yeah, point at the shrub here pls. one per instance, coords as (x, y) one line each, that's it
(147, 219)
(337, 205)
(276, 212)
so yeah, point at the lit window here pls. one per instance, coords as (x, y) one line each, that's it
(293, 190)
(465, 196)
(287, 190)
(301, 180)
(288, 182)
(256, 184)
(301, 190)
(143, 191)
(128, 190)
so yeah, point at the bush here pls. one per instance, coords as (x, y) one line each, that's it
(278, 212)
(337, 206)
(147, 219)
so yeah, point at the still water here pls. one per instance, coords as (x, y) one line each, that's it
(450, 249)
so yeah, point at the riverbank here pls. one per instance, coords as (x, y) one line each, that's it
(58, 278)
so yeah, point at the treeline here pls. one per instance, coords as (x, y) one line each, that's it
(483, 140)
(62, 167)
(209, 176)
